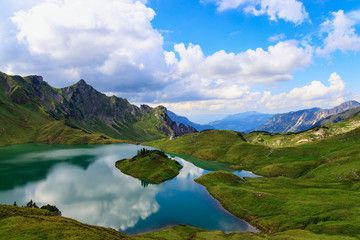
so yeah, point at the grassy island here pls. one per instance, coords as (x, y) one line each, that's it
(150, 165)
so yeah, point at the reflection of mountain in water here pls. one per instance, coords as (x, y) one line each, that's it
(85, 185)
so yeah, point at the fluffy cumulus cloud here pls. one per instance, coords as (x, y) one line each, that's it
(249, 67)
(317, 90)
(340, 34)
(104, 40)
(314, 94)
(113, 45)
(288, 10)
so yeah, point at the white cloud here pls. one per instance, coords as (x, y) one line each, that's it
(288, 10)
(112, 39)
(317, 90)
(113, 46)
(340, 34)
(354, 15)
(277, 37)
(314, 94)
(250, 67)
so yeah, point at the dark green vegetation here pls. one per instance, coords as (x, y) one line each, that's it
(33, 223)
(150, 165)
(48, 207)
(33, 111)
(313, 186)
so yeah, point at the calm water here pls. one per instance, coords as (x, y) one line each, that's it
(84, 184)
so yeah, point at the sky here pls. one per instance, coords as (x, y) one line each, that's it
(203, 59)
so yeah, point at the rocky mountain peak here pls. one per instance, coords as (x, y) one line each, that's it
(343, 107)
(145, 108)
(35, 79)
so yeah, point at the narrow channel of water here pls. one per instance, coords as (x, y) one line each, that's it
(84, 184)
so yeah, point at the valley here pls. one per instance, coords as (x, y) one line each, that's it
(305, 183)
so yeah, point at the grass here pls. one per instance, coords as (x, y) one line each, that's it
(281, 204)
(29, 223)
(152, 166)
(312, 187)
(187, 232)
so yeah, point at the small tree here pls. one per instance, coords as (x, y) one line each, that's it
(142, 151)
(52, 208)
(30, 204)
(15, 204)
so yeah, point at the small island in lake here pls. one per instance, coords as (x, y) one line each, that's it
(150, 165)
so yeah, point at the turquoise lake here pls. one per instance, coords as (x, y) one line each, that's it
(84, 184)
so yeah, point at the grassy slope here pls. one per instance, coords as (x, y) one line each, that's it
(28, 223)
(28, 122)
(152, 167)
(313, 186)
(280, 204)
(187, 232)
(22, 125)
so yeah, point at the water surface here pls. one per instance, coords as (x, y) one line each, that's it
(84, 184)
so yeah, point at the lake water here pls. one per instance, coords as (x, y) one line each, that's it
(84, 184)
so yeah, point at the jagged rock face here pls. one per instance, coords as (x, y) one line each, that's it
(81, 106)
(169, 126)
(304, 119)
(84, 103)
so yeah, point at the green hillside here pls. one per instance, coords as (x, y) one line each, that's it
(28, 223)
(313, 186)
(33, 111)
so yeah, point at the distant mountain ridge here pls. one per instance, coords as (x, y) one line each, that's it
(186, 121)
(80, 106)
(338, 117)
(304, 119)
(242, 122)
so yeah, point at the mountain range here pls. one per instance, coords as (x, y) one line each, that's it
(33, 111)
(277, 123)
(304, 119)
(242, 122)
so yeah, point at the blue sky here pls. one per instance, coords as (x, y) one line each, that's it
(197, 57)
